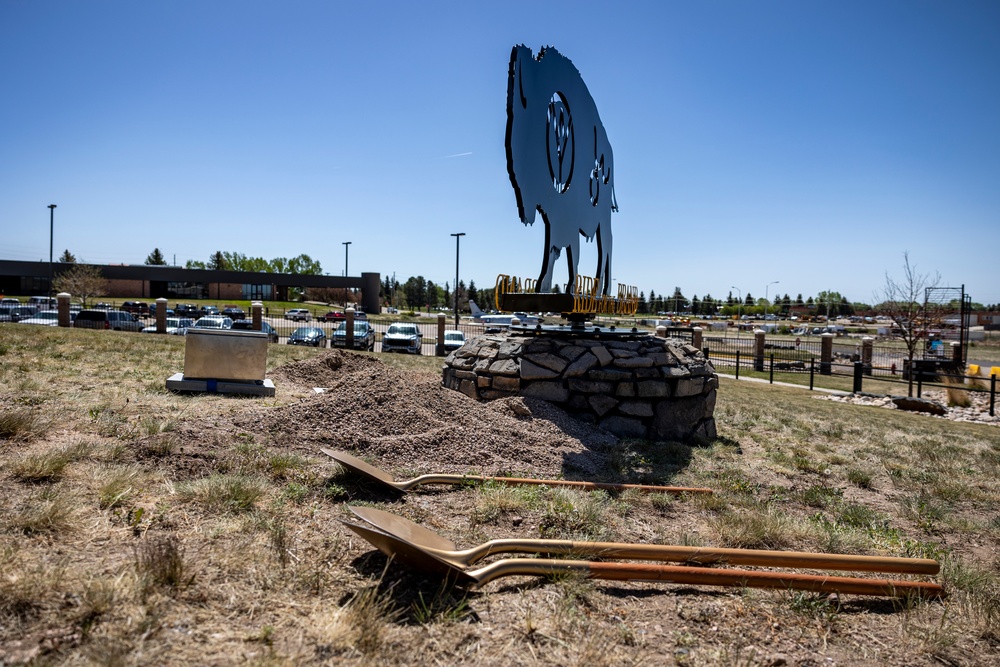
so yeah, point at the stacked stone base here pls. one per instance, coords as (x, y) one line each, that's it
(652, 388)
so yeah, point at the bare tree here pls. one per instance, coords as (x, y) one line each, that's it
(905, 303)
(83, 280)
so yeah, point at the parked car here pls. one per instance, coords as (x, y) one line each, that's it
(213, 322)
(334, 316)
(176, 326)
(298, 315)
(119, 320)
(16, 313)
(187, 310)
(364, 335)
(48, 318)
(453, 339)
(308, 336)
(136, 307)
(402, 337)
(47, 302)
(209, 310)
(247, 325)
(234, 312)
(10, 301)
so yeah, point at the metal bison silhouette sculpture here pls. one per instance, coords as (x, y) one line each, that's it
(559, 161)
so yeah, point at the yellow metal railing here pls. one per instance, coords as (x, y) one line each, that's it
(585, 297)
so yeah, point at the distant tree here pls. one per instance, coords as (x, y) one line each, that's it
(828, 303)
(195, 264)
(904, 302)
(415, 290)
(67, 257)
(301, 265)
(155, 258)
(678, 302)
(799, 301)
(434, 299)
(236, 261)
(82, 281)
(488, 298)
(473, 293)
(748, 301)
(217, 262)
(643, 306)
(695, 305)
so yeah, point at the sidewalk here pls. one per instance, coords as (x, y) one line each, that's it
(838, 392)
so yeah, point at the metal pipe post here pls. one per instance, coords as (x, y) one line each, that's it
(52, 225)
(454, 290)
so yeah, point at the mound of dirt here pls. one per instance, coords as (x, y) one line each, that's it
(410, 421)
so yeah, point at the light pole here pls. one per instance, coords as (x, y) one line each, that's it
(766, 302)
(52, 218)
(739, 309)
(458, 238)
(346, 244)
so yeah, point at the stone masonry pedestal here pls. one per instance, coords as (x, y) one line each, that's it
(647, 387)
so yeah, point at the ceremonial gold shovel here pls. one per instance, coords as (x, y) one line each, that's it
(420, 559)
(356, 465)
(446, 550)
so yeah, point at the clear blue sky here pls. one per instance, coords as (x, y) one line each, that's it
(805, 142)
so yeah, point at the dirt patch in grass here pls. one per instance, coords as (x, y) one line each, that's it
(145, 527)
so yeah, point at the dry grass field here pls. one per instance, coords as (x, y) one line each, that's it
(142, 527)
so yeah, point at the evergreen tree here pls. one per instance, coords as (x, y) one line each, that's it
(218, 261)
(67, 257)
(473, 294)
(155, 258)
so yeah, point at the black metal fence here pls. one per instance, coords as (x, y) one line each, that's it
(795, 360)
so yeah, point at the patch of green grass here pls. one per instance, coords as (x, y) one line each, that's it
(119, 484)
(49, 510)
(224, 493)
(441, 607)
(493, 500)
(765, 528)
(46, 466)
(822, 496)
(160, 565)
(572, 515)
(857, 515)
(859, 478)
(19, 424)
(925, 511)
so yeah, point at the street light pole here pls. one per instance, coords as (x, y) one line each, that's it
(739, 309)
(458, 237)
(346, 243)
(766, 302)
(52, 217)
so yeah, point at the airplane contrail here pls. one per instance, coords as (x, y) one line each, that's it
(446, 157)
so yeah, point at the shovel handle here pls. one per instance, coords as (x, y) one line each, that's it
(707, 555)
(679, 574)
(528, 481)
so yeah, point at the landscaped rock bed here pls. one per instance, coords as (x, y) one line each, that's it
(978, 411)
(642, 387)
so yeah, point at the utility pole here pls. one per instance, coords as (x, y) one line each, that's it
(458, 237)
(52, 218)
